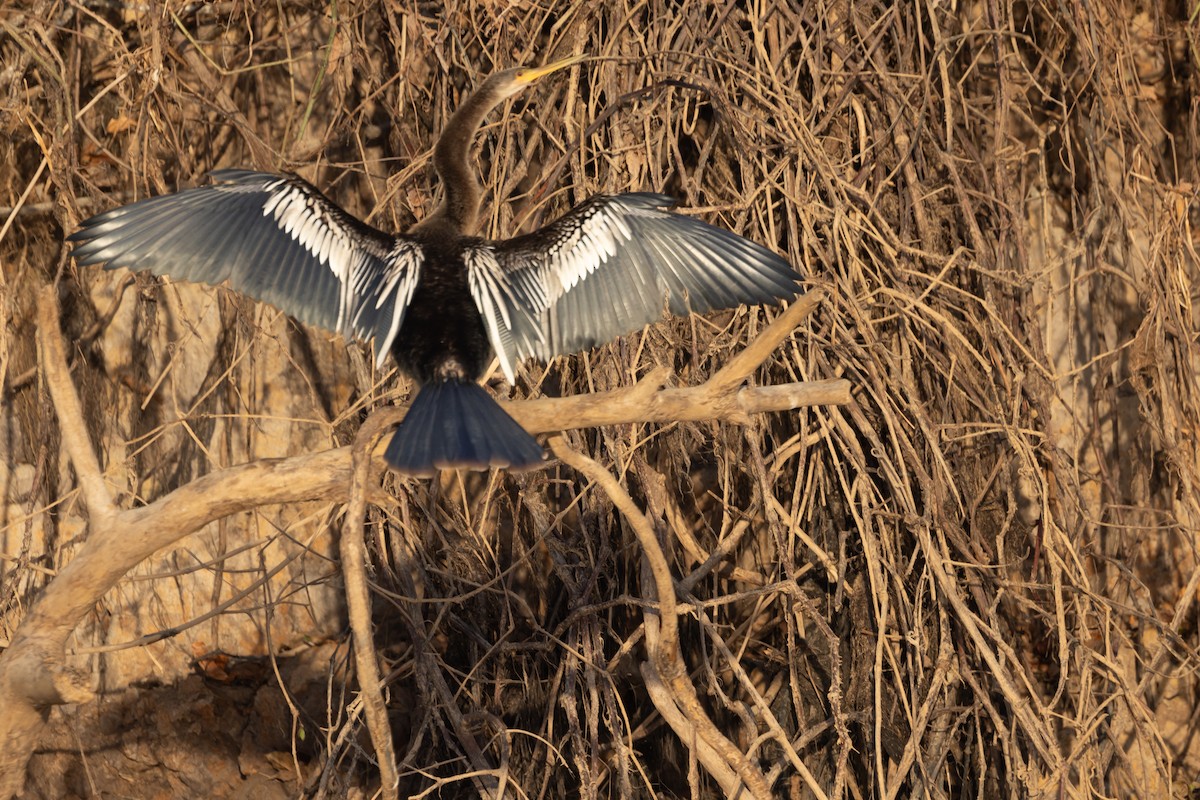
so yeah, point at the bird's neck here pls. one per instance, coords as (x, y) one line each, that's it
(452, 160)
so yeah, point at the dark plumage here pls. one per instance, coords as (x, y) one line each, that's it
(439, 299)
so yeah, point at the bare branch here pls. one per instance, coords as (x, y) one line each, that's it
(70, 413)
(720, 757)
(358, 607)
(32, 672)
(761, 348)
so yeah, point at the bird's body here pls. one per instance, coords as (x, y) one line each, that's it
(443, 335)
(438, 298)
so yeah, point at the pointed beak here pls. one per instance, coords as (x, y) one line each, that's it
(530, 75)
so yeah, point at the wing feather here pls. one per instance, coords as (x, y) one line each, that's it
(506, 304)
(274, 238)
(609, 266)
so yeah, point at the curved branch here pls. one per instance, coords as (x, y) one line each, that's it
(681, 707)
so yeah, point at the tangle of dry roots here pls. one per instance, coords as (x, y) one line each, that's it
(32, 672)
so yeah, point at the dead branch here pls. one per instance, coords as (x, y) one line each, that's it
(358, 607)
(717, 398)
(675, 697)
(33, 675)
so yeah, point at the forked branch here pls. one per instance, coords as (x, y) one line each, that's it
(666, 676)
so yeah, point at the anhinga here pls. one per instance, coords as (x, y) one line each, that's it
(440, 299)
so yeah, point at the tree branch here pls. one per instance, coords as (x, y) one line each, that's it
(681, 706)
(53, 358)
(358, 607)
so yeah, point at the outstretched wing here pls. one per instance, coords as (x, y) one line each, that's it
(272, 237)
(606, 268)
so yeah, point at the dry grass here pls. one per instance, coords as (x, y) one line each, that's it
(978, 580)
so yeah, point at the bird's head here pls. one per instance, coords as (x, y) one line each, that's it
(509, 82)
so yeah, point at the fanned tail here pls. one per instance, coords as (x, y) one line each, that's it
(457, 425)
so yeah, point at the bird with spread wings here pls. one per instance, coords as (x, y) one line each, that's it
(440, 300)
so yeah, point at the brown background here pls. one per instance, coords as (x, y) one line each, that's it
(979, 579)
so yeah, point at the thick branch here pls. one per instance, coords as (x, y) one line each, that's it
(75, 438)
(647, 401)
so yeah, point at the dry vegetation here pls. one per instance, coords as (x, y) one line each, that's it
(979, 579)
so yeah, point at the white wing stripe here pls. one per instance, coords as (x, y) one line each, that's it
(499, 295)
(304, 220)
(587, 248)
(374, 287)
(481, 282)
(362, 285)
(405, 283)
(404, 260)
